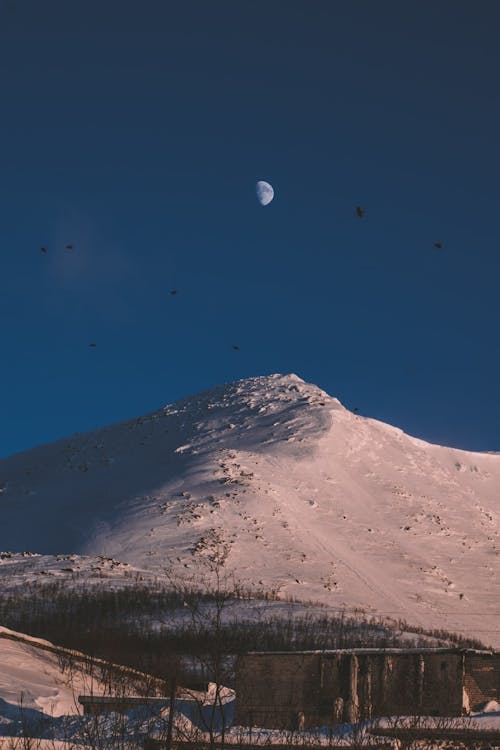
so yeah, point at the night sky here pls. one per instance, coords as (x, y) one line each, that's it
(136, 132)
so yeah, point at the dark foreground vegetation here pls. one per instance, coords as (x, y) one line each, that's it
(162, 631)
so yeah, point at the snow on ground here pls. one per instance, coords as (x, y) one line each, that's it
(33, 573)
(297, 495)
(38, 697)
(487, 719)
(22, 569)
(32, 678)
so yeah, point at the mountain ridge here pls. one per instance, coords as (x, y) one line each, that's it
(299, 495)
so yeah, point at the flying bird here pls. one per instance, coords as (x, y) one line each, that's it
(235, 347)
(92, 346)
(69, 247)
(43, 249)
(438, 245)
(360, 212)
(173, 292)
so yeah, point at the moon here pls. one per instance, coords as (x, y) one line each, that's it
(265, 192)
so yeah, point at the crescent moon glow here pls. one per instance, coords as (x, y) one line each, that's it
(265, 192)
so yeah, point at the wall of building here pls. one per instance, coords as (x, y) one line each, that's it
(286, 690)
(481, 678)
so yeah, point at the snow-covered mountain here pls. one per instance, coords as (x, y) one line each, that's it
(300, 496)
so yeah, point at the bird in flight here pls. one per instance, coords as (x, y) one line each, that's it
(438, 245)
(360, 212)
(92, 346)
(173, 292)
(43, 249)
(235, 347)
(69, 247)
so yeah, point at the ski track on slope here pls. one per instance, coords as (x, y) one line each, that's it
(337, 551)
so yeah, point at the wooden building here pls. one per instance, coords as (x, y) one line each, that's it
(321, 688)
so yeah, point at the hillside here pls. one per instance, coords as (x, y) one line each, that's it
(294, 492)
(33, 679)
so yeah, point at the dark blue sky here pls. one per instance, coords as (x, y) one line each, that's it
(136, 132)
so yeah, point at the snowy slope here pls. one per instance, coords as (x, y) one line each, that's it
(39, 688)
(32, 678)
(301, 496)
(18, 569)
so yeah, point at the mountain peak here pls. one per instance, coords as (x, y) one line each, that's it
(303, 497)
(261, 389)
(266, 409)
